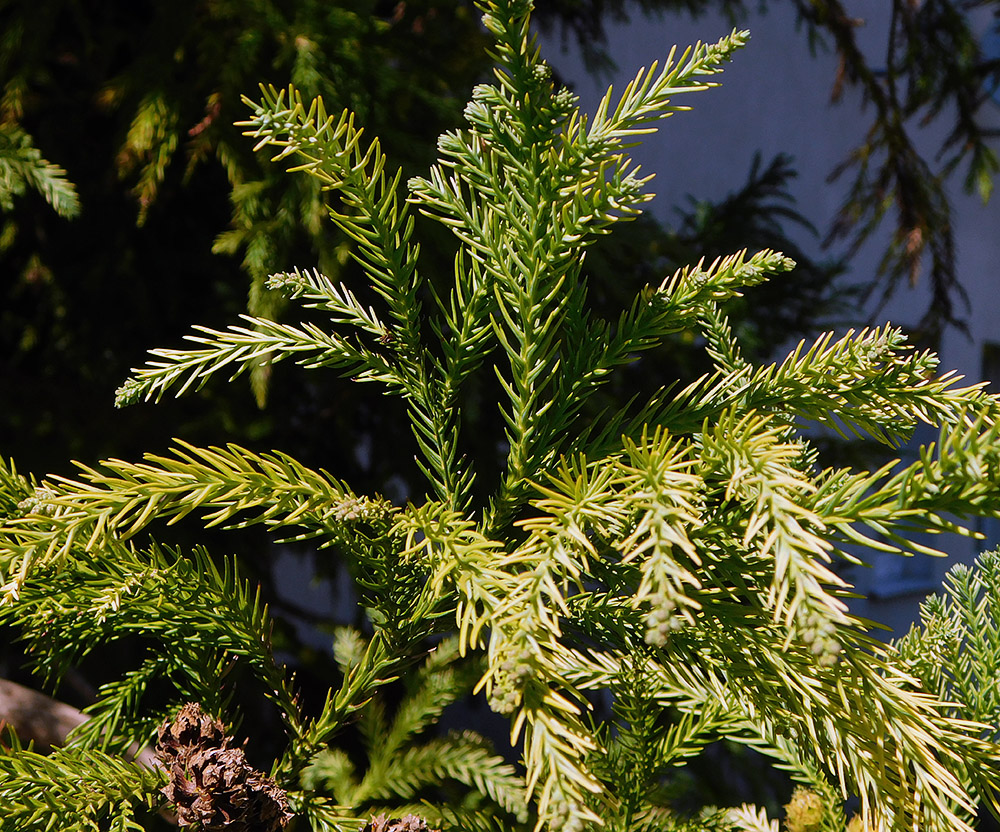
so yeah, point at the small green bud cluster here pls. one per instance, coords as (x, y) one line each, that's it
(817, 633)
(38, 503)
(698, 278)
(804, 812)
(516, 667)
(857, 824)
(662, 619)
(541, 72)
(565, 100)
(128, 393)
(282, 281)
(564, 814)
(874, 351)
(270, 123)
(355, 509)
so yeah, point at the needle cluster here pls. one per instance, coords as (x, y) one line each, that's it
(673, 556)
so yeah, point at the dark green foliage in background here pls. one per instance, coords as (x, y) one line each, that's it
(137, 102)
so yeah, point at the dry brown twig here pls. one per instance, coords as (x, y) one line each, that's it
(47, 722)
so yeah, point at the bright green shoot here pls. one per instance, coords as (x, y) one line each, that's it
(677, 553)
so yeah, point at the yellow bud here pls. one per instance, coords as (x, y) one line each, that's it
(804, 812)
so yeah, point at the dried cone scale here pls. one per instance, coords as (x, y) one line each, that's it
(211, 784)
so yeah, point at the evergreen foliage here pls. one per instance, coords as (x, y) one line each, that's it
(78, 789)
(22, 167)
(164, 179)
(952, 651)
(399, 769)
(914, 64)
(672, 554)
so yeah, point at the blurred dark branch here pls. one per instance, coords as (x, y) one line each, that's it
(45, 721)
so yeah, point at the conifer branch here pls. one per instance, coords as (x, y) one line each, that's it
(952, 651)
(677, 552)
(380, 226)
(870, 383)
(22, 167)
(207, 619)
(378, 666)
(240, 349)
(79, 790)
(330, 149)
(224, 482)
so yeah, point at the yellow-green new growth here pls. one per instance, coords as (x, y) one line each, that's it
(677, 552)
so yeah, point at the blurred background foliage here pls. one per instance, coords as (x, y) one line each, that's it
(179, 222)
(937, 62)
(131, 206)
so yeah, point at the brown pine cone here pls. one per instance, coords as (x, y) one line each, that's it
(211, 783)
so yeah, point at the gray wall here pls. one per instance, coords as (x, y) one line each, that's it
(775, 97)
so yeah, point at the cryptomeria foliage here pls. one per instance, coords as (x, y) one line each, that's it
(674, 552)
(399, 771)
(22, 167)
(171, 191)
(914, 64)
